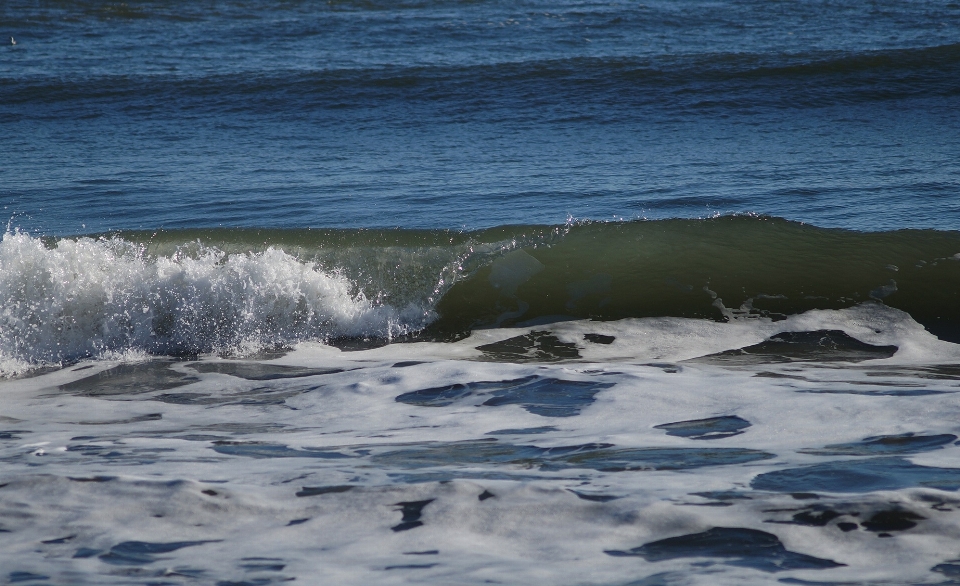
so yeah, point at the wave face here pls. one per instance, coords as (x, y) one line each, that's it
(189, 292)
(722, 268)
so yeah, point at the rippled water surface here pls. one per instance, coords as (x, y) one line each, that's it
(447, 114)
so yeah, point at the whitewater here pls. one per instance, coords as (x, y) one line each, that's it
(499, 457)
(255, 414)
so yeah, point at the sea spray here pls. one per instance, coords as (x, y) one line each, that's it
(83, 297)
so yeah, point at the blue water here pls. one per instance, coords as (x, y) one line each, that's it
(466, 115)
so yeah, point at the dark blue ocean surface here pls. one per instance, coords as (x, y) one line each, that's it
(446, 114)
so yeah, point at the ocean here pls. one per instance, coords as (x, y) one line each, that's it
(480, 292)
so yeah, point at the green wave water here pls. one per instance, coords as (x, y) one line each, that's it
(717, 268)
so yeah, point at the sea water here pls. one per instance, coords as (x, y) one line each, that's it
(586, 293)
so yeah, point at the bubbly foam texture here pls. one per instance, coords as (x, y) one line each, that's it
(86, 297)
(165, 467)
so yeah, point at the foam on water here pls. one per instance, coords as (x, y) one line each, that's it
(625, 456)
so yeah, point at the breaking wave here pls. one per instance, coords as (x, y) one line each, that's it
(188, 292)
(85, 297)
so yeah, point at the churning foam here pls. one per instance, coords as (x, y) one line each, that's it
(87, 297)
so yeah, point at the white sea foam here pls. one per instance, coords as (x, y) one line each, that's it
(85, 297)
(94, 462)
